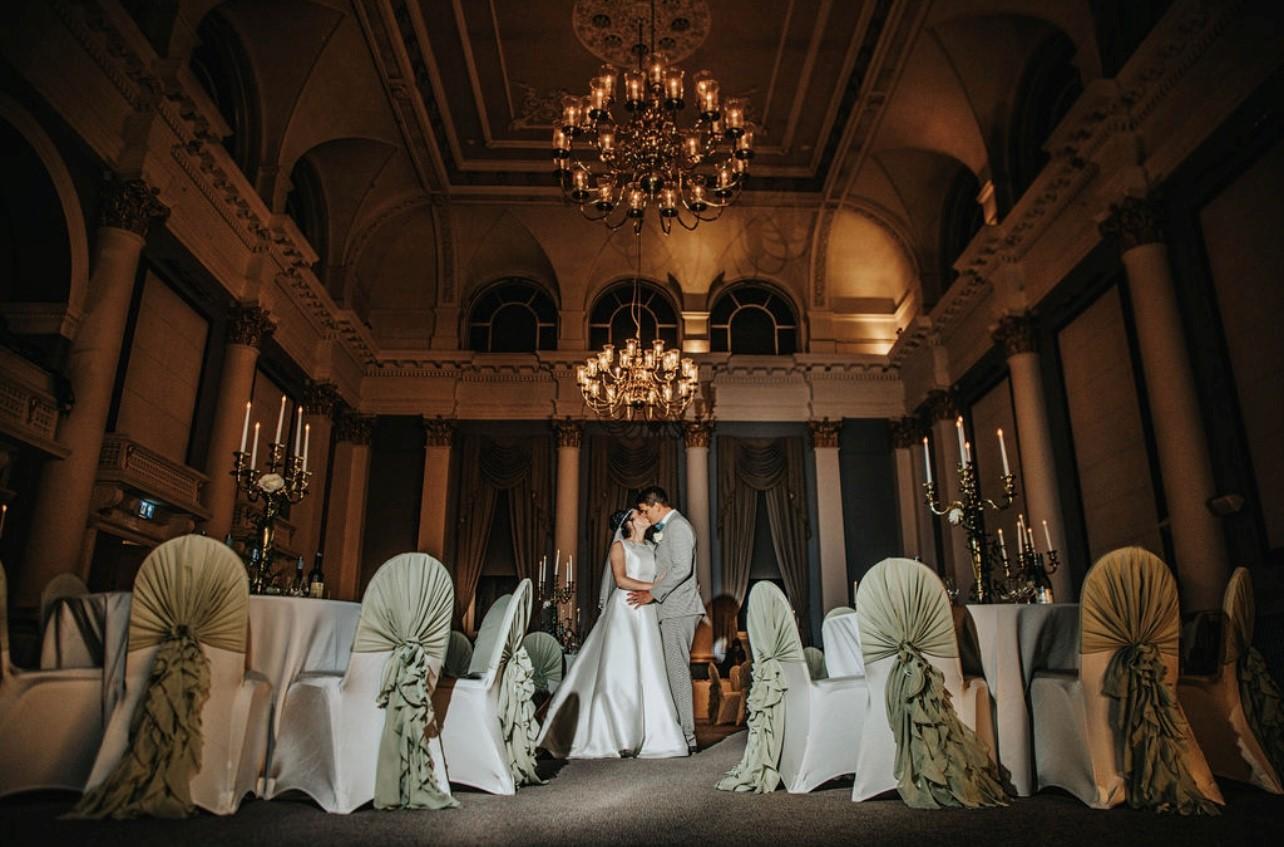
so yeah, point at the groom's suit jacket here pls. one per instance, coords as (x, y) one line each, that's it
(676, 592)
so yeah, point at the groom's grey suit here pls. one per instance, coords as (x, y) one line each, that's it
(679, 610)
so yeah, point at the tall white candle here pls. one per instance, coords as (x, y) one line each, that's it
(245, 427)
(1029, 537)
(557, 562)
(280, 422)
(967, 452)
(298, 431)
(570, 571)
(958, 427)
(927, 460)
(1003, 548)
(254, 456)
(307, 440)
(1020, 534)
(1003, 454)
(4, 514)
(1047, 536)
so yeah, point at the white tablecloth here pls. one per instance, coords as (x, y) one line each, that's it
(841, 637)
(1014, 641)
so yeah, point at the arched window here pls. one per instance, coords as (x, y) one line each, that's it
(1049, 88)
(753, 319)
(513, 316)
(220, 65)
(306, 205)
(961, 218)
(612, 319)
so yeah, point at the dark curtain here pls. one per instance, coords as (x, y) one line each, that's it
(619, 466)
(775, 467)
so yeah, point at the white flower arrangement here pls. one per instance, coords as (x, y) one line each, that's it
(270, 483)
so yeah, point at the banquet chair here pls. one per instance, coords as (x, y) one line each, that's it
(815, 658)
(60, 586)
(842, 643)
(802, 732)
(191, 728)
(51, 722)
(733, 712)
(929, 733)
(546, 659)
(487, 719)
(369, 733)
(459, 654)
(1220, 706)
(1115, 732)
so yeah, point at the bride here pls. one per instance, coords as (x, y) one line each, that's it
(615, 700)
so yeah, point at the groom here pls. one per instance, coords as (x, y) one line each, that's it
(677, 595)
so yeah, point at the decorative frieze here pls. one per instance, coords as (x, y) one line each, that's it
(131, 204)
(570, 433)
(697, 433)
(824, 433)
(1134, 221)
(249, 325)
(354, 428)
(1016, 333)
(439, 432)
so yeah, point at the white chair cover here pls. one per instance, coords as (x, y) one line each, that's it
(1214, 703)
(841, 637)
(1115, 731)
(187, 631)
(51, 722)
(802, 732)
(907, 638)
(546, 659)
(350, 738)
(487, 719)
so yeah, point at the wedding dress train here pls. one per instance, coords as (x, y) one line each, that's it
(615, 699)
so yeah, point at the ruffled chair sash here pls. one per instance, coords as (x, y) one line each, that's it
(546, 660)
(516, 709)
(1257, 689)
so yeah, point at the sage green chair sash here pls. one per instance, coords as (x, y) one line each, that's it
(459, 655)
(1257, 689)
(406, 610)
(546, 659)
(1129, 607)
(517, 687)
(773, 636)
(940, 762)
(815, 662)
(189, 591)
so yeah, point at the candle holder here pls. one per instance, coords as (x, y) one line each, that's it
(284, 480)
(552, 598)
(968, 511)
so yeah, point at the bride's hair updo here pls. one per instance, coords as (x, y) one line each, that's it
(619, 521)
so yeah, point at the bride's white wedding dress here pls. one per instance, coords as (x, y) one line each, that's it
(615, 700)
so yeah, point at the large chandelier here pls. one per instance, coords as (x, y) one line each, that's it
(689, 173)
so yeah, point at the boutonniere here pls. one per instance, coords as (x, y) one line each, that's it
(657, 536)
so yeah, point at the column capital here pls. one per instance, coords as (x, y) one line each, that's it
(697, 433)
(320, 398)
(941, 405)
(439, 432)
(354, 428)
(130, 204)
(249, 325)
(570, 433)
(907, 432)
(1134, 221)
(824, 433)
(1016, 334)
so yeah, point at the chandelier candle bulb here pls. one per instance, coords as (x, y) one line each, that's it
(656, 66)
(927, 460)
(1003, 454)
(673, 78)
(280, 422)
(744, 145)
(245, 427)
(606, 76)
(606, 139)
(734, 117)
(561, 144)
(572, 114)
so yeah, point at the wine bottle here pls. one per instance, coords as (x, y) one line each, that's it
(316, 579)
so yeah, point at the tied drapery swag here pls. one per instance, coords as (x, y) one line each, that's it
(1257, 690)
(940, 762)
(406, 612)
(523, 468)
(619, 467)
(1129, 606)
(190, 591)
(774, 466)
(773, 635)
(517, 686)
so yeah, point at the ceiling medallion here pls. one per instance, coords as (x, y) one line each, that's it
(689, 173)
(608, 28)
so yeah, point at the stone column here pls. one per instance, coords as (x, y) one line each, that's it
(345, 523)
(566, 518)
(247, 327)
(696, 436)
(434, 498)
(907, 444)
(942, 411)
(834, 586)
(1038, 483)
(319, 402)
(1184, 462)
(60, 510)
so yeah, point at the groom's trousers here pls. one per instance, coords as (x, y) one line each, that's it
(676, 635)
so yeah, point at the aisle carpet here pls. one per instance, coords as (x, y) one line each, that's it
(662, 802)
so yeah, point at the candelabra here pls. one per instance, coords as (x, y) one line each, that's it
(969, 512)
(553, 597)
(1030, 584)
(284, 480)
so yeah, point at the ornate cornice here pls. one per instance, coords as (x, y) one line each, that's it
(824, 433)
(249, 325)
(354, 428)
(131, 204)
(697, 433)
(320, 398)
(439, 432)
(570, 433)
(907, 432)
(1134, 221)
(1016, 334)
(940, 405)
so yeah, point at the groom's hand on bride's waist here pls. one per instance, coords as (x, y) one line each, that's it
(640, 598)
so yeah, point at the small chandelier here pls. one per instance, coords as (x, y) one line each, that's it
(691, 174)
